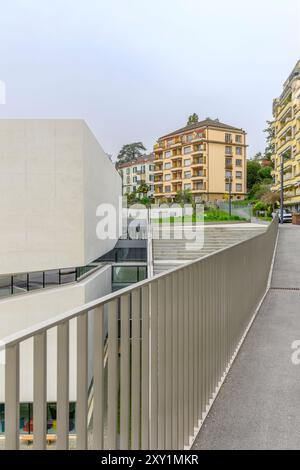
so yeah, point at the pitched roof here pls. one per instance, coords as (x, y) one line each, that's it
(139, 160)
(205, 123)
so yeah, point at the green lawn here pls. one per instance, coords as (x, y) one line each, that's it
(209, 216)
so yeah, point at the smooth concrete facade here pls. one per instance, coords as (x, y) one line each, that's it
(53, 176)
(23, 311)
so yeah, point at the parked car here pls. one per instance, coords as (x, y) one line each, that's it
(286, 216)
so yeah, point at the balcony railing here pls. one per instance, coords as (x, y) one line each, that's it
(168, 344)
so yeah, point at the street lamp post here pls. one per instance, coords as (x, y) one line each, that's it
(281, 190)
(230, 185)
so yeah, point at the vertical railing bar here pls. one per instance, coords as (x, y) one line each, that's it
(125, 373)
(62, 425)
(145, 367)
(186, 356)
(168, 343)
(175, 361)
(161, 363)
(136, 369)
(154, 366)
(39, 391)
(12, 378)
(191, 351)
(82, 381)
(112, 382)
(196, 341)
(180, 313)
(98, 381)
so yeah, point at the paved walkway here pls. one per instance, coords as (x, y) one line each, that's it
(258, 406)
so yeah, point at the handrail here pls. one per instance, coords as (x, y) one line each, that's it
(72, 313)
(168, 341)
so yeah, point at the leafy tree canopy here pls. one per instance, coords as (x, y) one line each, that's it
(143, 188)
(130, 152)
(184, 197)
(193, 118)
(253, 167)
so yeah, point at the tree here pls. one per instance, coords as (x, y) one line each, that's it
(193, 118)
(265, 173)
(270, 147)
(253, 168)
(184, 197)
(271, 198)
(258, 157)
(143, 189)
(131, 198)
(130, 152)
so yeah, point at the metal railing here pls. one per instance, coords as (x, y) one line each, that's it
(168, 345)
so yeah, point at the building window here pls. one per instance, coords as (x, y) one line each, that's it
(168, 165)
(228, 138)
(134, 179)
(151, 177)
(238, 150)
(238, 174)
(238, 187)
(228, 161)
(238, 162)
(187, 162)
(227, 187)
(238, 139)
(168, 153)
(134, 169)
(228, 150)
(143, 169)
(128, 179)
(228, 174)
(151, 167)
(170, 142)
(189, 137)
(187, 174)
(187, 186)
(167, 189)
(168, 177)
(128, 171)
(187, 150)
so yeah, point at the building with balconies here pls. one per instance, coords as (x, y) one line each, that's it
(286, 139)
(137, 172)
(208, 158)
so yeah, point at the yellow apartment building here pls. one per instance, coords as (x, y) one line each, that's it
(286, 140)
(204, 157)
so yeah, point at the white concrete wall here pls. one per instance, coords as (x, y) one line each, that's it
(53, 174)
(102, 184)
(19, 312)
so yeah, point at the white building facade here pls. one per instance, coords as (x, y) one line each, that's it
(54, 175)
(137, 172)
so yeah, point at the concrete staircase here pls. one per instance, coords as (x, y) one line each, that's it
(170, 253)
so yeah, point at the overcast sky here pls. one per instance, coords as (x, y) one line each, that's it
(135, 69)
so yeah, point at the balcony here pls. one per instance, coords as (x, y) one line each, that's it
(198, 136)
(228, 166)
(175, 166)
(158, 157)
(198, 161)
(177, 176)
(199, 174)
(199, 187)
(159, 147)
(158, 169)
